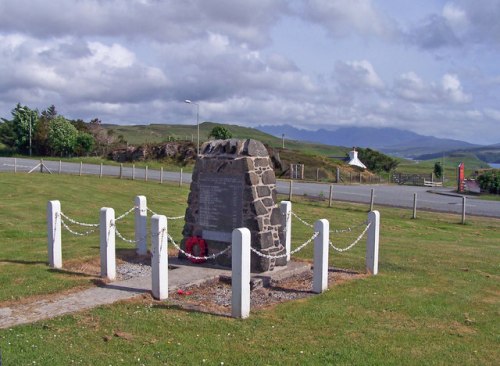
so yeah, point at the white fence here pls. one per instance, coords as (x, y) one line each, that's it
(241, 247)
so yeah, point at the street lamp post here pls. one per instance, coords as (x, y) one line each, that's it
(197, 123)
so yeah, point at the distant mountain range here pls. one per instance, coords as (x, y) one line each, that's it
(391, 141)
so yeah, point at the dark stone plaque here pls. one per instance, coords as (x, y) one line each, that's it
(221, 202)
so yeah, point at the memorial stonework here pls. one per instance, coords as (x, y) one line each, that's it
(233, 185)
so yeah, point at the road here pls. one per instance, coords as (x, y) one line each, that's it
(441, 200)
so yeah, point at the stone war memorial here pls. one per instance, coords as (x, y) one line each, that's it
(233, 185)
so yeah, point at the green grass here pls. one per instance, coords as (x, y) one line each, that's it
(435, 301)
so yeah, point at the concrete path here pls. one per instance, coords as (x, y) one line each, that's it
(183, 275)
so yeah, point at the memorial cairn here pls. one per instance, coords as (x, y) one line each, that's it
(233, 185)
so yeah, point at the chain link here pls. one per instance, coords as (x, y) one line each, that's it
(354, 243)
(75, 232)
(189, 255)
(76, 222)
(125, 214)
(302, 221)
(349, 229)
(168, 218)
(296, 250)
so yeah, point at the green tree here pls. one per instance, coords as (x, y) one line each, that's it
(376, 161)
(62, 136)
(20, 130)
(220, 133)
(438, 170)
(84, 143)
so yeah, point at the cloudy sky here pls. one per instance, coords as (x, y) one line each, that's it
(429, 66)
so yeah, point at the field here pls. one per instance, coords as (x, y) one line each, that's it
(435, 301)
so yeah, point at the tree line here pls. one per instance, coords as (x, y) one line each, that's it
(48, 133)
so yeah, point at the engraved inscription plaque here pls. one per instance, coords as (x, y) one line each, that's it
(221, 202)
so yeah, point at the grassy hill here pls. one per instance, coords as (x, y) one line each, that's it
(313, 155)
(140, 134)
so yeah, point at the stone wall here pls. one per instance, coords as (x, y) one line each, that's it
(233, 186)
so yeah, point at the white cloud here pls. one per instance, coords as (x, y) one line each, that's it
(344, 18)
(452, 89)
(357, 76)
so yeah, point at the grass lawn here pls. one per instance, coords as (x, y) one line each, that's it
(435, 301)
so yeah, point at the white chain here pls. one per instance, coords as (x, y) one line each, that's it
(150, 210)
(76, 222)
(74, 232)
(298, 249)
(348, 230)
(189, 255)
(125, 214)
(354, 243)
(118, 234)
(168, 218)
(302, 221)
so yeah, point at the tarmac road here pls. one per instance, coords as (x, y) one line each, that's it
(440, 199)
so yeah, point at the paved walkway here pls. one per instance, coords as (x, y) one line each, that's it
(183, 275)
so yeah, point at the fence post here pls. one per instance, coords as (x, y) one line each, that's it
(161, 175)
(286, 224)
(107, 243)
(159, 259)
(337, 177)
(141, 216)
(240, 279)
(41, 165)
(146, 174)
(100, 171)
(330, 197)
(414, 206)
(290, 191)
(317, 174)
(372, 242)
(133, 171)
(320, 272)
(463, 210)
(81, 166)
(180, 178)
(60, 166)
(54, 234)
(121, 170)
(372, 199)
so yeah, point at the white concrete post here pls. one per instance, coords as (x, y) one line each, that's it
(107, 246)
(141, 217)
(146, 174)
(372, 242)
(240, 279)
(320, 273)
(81, 168)
(161, 175)
(159, 259)
(180, 178)
(54, 234)
(286, 224)
(60, 166)
(133, 171)
(100, 171)
(121, 170)
(15, 165)
(290, 191)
